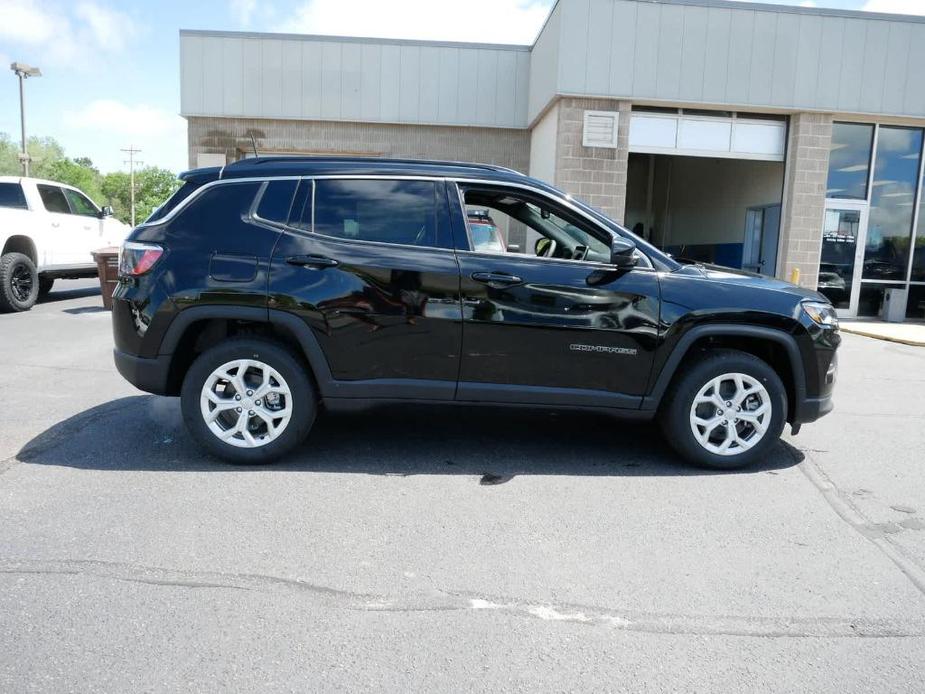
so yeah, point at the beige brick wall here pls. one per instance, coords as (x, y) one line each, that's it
(231, 137)
(597, 175)
(803, 207)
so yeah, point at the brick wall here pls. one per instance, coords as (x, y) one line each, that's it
(231, 137)
(803, 207)
(597, 175)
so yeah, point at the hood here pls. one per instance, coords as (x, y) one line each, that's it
(744, 278)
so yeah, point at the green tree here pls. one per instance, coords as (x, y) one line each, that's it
(153, 186)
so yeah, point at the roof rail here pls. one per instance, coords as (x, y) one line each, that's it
(308, 159)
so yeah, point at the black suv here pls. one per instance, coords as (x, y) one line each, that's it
(264, 290)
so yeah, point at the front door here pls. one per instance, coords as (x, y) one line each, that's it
(66, 238)
(368, 264)
(844, 231)
(553, 322)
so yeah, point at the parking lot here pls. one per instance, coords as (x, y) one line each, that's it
(441, 549)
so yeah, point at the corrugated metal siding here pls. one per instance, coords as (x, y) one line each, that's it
(292, 77)
(735, 55)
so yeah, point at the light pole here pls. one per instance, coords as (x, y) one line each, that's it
(24, 71)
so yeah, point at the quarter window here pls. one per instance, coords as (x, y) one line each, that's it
(275, 201)
(53, 199)
(11, 195)
(384, 211)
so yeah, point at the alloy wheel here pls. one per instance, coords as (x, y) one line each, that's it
(246, 403)
(21, 283)
(730, 414)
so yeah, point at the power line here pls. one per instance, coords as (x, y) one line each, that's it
(131, 151)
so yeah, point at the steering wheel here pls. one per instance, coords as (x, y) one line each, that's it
(545, 247)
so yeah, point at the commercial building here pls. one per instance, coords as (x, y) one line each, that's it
(772, 138)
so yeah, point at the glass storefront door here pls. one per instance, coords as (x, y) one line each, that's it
(843, 237)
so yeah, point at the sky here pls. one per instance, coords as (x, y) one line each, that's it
(110, 69)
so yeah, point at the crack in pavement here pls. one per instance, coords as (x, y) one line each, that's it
(461, 601)
(851, 514)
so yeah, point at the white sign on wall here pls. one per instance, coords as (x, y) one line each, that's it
(708, 136)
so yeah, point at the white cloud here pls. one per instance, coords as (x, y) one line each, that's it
(73, 34)
(121, 119)
(243, 11)
(895, 6)
(484, 21)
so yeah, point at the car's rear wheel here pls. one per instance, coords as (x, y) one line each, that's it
(19, 282)
(725, 411)
(248, 400)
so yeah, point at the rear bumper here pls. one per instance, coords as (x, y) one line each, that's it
(150, 375)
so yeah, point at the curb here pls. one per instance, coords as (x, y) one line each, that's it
(880, 336)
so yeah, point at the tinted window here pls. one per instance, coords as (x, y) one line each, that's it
(301, 215)
(386, 211)
(11, 195)
(219, 208)
(849, 160)
(80, 204)
(276, 200)
(54, 199)
(182, 193)
(892, 200)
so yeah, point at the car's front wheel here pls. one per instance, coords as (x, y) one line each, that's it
(726, 410)
(248, 400)
(19, 282)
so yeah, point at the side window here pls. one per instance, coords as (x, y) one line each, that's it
(505, 221)
(80, 204)
(218, 209)
(300, 216)
(11, 195)
(53, 199)
(275, 201)
(386, 211)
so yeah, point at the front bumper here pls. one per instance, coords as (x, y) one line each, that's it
(150, 375)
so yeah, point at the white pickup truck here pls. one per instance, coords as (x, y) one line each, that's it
(47, 232)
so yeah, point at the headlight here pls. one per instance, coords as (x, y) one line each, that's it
(821, 313)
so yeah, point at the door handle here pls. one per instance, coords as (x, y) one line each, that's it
(316, 261)
(496, 279)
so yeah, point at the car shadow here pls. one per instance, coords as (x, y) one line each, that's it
(146, 433)
(67, 294)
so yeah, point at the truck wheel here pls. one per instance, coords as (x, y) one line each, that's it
(248, 400)
(725, 411)
(19, 282)
(45, 285)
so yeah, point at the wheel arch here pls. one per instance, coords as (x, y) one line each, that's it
(198, 328)
(776, 347)
(19, 243)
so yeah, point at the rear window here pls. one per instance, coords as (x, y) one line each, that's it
(11, 195)
(53, 199)
(403, 212)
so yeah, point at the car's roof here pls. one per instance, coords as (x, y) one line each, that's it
(318, 166)
(20, 179)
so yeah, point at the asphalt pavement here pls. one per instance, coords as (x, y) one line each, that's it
(444, 549)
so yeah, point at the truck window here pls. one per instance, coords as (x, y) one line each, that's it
(11, 195)
(53, 199)
(80, 204)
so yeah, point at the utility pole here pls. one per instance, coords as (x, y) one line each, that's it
(23, 72)
(131, 151)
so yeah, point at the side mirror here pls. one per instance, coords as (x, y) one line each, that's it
(106, 211)
(622, 253)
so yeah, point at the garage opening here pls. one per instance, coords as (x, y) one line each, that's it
(706, 186)
(709, 210)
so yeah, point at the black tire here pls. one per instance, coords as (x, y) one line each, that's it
(303, 398)
(45, 285)
(19, 282)
(675, 414)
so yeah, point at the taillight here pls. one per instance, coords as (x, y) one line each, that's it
(137, 258)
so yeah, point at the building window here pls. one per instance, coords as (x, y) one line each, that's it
(892, 203)
(849, 160)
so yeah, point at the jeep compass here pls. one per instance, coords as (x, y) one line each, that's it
(273, 287)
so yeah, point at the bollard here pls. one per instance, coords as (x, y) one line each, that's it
(795, 276)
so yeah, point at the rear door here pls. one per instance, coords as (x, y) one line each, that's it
(554, 323)
(368, 264)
